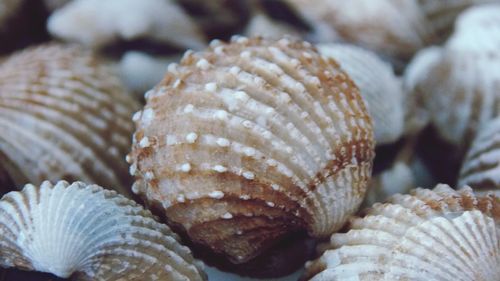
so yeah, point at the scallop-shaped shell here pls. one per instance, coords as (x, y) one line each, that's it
(380, 88)
(89, 233)
(394, 28)
(481, 168)
(442, 14)
(64, 115)
(99, 23)
(439, 234)
(460, 83)
(248, 141)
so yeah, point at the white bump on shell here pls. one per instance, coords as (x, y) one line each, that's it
(216, 194)
(219, 168)
(144, 142)
(186, 167)
(227, 216)
(211, 87)
(191, 137)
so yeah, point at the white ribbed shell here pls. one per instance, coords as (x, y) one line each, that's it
(63, 115)
(89, 233)
(481, 168)
(379, 87)
(440, 234)
(394, 28)
(251, 140)
(460, 82)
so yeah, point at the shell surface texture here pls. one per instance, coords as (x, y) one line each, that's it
(250, 140)
(440, 234)
(379, 87)
(481, 168)
(63, 115)
(460, 82)
(89, 233)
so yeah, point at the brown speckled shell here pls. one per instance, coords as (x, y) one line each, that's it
(440, 234)
(251, 140)
(63, 115)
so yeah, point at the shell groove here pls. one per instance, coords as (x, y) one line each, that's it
(63, 115)
(460, 82)
(251, 140)
(89, 233)
(481, 168)
(439, 234)
(379, 87)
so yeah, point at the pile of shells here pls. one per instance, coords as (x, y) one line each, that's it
(71, 111)
(88, 233)
(251, 140)
(439, 234)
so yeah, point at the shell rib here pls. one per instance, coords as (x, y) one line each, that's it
(379, 87)
(107, 21)
(63, 115)
(89, 233)
(251, 140)
(394, 28)
(481, 168)
(460, 82)
(439, 234)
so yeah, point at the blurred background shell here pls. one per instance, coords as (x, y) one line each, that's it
(63, 115)
(89, 233)
(481, 168)
(380, 88)
(460, 82)
(393, 28)
(439, 234)
(250, 141)
(7, 9)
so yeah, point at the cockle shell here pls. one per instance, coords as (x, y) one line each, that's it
(64, 115)
(97, 23)
(442, 14)
(393, 28)
(460, 82)
(89, 233)
(251, 140)
(439, 234)
(379, 87)
(481, 168)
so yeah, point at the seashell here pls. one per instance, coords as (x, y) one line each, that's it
(439, 234)
(262, 25)
(89, 233)
(251, 140)
(107, 21)
(63, 115)
(481, 168)
(459, 83)
(394, 28)
(141, 71)
(398, 178)
(379, 87)
(442, 14)
(7, 9)
(52, 5)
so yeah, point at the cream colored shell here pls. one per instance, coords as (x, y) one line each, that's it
(393, 28)
(481, 167)
(89, 233)
(251, 140)
(440, 234)
(460, 82)
(380, 88)
(64, 115)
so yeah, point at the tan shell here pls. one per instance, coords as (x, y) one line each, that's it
(89, 233)
(251, 140)
(460, 82)
(440, 234)
(63, 115)
(394, 28)
(481, 168)
(441, 14)
(380, 88)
